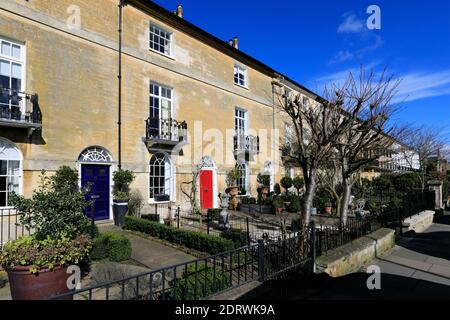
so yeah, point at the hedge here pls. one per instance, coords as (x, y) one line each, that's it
(209, 281)
(239, 237)
(111, 245)
(151, 217)
(190, 239)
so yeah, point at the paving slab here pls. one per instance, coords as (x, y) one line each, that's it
(149, 253)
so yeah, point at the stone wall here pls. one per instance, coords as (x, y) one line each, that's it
(352, 256)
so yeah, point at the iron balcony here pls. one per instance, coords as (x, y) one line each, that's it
(19, 110)
(165, 133)
(246, 143)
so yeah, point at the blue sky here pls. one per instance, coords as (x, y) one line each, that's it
(318, 41)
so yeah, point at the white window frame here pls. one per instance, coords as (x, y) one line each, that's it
(238, 117)
(4, 143)
(22, 61)
(240, 71)
(161, 98)
(169, 178)
(243, 166)
(170, 40)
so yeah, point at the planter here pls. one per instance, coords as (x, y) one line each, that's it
(47, 283)
(234, 191)
(162, 198)
(279, 210)
(120, 209)
(265, 189)
(328, 210)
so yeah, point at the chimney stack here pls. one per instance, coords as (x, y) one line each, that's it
(230, 42)
(236, 43)
(179, 11)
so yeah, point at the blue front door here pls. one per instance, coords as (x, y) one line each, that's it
(97, 177)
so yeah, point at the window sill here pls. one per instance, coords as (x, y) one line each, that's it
(161, 54)
(151, 201)
(241, 86)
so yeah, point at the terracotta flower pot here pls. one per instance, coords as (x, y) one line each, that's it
(47, 283)
(264, 189)
(328, 210)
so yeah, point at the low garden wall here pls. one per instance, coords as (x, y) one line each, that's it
(419, 222)
(352, 256)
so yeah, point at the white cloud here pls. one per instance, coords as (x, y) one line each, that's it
(342, 56)
(351, 24)
(413, 85)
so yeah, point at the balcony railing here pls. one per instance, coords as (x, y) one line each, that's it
(19, 109)
(246, 143)
(166, 130)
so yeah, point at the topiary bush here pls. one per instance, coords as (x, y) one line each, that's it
(286, 183)
(277, 189)
(112, 246)
(239, 237)
(190, 239)
(294, 203)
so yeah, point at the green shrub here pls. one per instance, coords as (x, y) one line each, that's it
(277, 189)
(55, 208)
(111, 245)
(406, 182)
(122, 180)
(239, 237)
(151, 217)
(46, 253)
(294, 203)
(263, 179)
(191, 239)
(298, 183)
(200, 283)
(286, 182)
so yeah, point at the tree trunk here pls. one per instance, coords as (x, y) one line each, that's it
(345, 200)
(310, 190)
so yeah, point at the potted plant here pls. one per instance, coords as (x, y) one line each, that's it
(37, 264)
(286, 183)
(232, 176)
(298, 183)
(278, 205)
(264, 181)
(122, 180)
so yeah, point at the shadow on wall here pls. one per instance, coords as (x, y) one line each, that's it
(350, 287)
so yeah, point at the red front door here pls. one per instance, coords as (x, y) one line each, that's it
(206, 189)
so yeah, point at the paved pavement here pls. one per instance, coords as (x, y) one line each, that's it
(149, 253)
(417, 268)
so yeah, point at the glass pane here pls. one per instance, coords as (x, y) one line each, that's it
(6, 48)
(5, 68)
(2, 199)
(13, 184)
(3, 185)
(3, 164)
(13, 167)
(16, 71)
(16, 51)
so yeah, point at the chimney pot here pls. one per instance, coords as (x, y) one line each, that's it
(179, 11)
(230, 42)
(236, 43)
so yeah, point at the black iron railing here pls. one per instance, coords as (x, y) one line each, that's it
(247, 143)
(10, 227)
(209, 276)
(166, 130)
(19, 107)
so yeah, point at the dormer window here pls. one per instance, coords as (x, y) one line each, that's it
(240, 76)
(160, 40)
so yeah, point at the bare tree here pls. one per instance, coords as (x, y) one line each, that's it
(316, 131)
(421, 143)
(367, 104)
(329, 178)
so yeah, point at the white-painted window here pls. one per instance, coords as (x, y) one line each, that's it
(240, 75)
(10, 172)
(160, 176)
(160, 40)
(242, 182)
(240, 121)
(12, 68)
(161, 101)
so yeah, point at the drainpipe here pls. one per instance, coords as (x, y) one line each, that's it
(275, 83)
(119, 121)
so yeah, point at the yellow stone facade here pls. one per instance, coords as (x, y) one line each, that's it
(72, 61)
